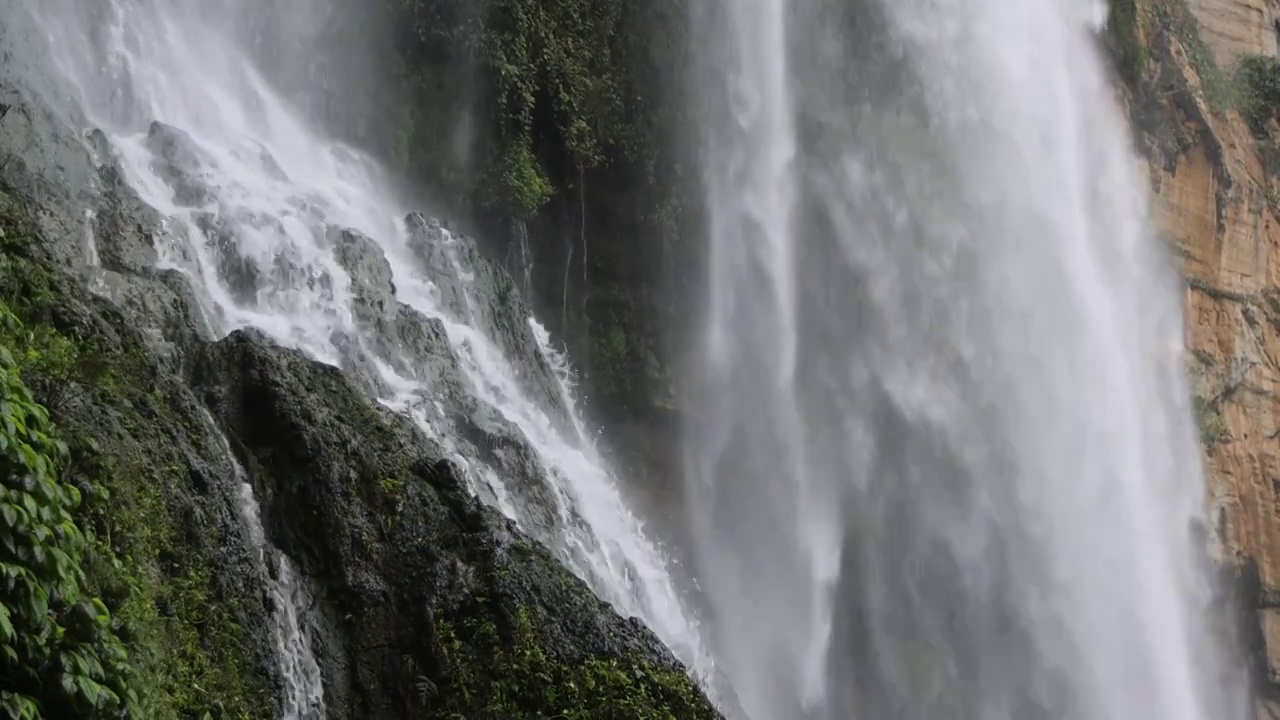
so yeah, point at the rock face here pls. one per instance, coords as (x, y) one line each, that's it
(373, 516)
(1214, 197)
(1234, 28)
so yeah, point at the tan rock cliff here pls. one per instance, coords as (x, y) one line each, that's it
(1233, 28)
(1215, 198)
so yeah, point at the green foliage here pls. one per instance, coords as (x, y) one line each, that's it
(1173, 16)
(521, 187)
(557, 54)
(1213, 429)
(1258, 80)
(391, 485)
(556, 80)
(487, 677)
(1122, 41)
(60, 655)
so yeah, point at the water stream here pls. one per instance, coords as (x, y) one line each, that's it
(303, 689)
(940, 400)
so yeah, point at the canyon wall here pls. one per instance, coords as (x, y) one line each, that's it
(1206, 132)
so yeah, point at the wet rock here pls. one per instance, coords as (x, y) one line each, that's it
(161, 304)
(166, 492)
(480, 292)
(396, 547)
(123, 226)
(371, 285)
(241, 274)
(359, 364)
(178, 162)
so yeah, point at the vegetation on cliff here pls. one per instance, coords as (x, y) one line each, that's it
(125, 426)
(60, 653)
(1259, 80)
(1135, 29)
(572, 108)
(520, 679)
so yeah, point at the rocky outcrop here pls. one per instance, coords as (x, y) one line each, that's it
(405, 561)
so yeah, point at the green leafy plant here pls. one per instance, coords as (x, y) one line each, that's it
(60, 655)
(520, 185)
(187, 653)
(1212, 428)
(1122, 41)
(1258, 80)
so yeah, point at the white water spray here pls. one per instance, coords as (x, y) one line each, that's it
(260, 211)
(936, 404)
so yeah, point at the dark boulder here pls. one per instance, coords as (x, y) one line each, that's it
(417, 584)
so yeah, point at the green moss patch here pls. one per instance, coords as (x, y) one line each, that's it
(484, 675)
(1123, 43)
(1258, 80)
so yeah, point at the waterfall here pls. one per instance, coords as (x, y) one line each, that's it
(280, 227)
(303, 697)
(942, 461)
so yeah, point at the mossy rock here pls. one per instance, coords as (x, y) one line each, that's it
(428, 604)
(167, 553)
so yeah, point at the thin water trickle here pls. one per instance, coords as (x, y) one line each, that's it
(302, 696)
(935, 403)
(303, 692)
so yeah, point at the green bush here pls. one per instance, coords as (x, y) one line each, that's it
(1213, 429)
(1122, 41)
(556, 80)
(1258, 80)
(60, 655)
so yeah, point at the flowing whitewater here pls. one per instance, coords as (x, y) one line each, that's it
(282, 229)
(942, 462)
(303, 697)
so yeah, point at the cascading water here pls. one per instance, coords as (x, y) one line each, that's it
(942, 461)
(303, 697)
(285, 230)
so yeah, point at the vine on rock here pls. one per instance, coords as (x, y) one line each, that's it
(60, 655)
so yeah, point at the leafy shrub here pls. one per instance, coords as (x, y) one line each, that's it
(60, 655)
(1258, 79)
(1122, 41)
(1213, 429)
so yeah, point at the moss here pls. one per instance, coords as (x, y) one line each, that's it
(1123, 43)
(125, 427)
(1209, 420)
(484, 673)
(1258, 82)
(1174, 17)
